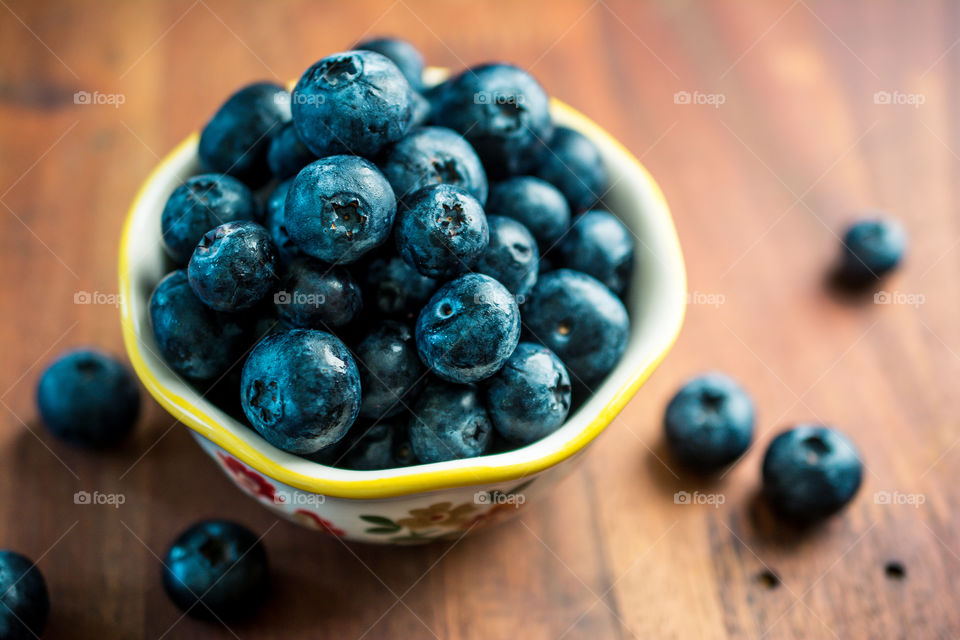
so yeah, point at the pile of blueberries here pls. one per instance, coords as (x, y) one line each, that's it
(431, 277)
(380, 308)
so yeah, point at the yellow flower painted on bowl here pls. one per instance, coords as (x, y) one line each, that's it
(442, 514)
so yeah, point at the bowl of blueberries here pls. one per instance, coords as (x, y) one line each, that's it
(394, 304)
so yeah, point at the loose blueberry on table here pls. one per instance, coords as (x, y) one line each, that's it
(24, 601)
(872, 248)
(810, 472)
(373, 321)
(709, 422)
(216, 570)
(88, 398)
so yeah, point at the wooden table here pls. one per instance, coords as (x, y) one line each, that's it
(800, 114)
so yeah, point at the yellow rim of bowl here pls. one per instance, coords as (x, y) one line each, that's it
(429, 480)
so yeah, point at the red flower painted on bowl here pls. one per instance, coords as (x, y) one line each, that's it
(251, 482)
(313, 521)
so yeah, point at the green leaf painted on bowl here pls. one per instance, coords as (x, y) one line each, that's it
(380, 520)
(383, 530)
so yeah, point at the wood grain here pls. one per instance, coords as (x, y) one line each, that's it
(760, 186)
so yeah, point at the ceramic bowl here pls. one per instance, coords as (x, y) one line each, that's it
(426, 502)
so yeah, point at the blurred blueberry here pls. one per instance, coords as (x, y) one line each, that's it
(529, 398)
(468, 329)
(353, 102)
(434, 155)
(537, 204)
(24, 600)
(200, 204)
(872, 249)
(501, 110)
(709, 422)
(599, 245)
(442, 232)
(572, 163)
(88, 398)
(237, 138)
(216, 570)
(511, 257)
(339, 208)
(287, 154)
(301, 390)
(810, 472)
(401, 53)
(449, 422)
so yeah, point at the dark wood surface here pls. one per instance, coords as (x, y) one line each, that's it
(760, 186)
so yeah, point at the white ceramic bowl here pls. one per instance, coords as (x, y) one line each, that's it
(425, 502)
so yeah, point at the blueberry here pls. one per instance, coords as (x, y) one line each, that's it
(354, 102)
(502, 111)
(372, 446)
(216, 570)
(338, 208)
(287, 154)
(24, 600)
(468, 329)
(535, 203)
(194, 340)
(401, 53)
(422, 111)
(237, 138)
(709, 422)
(88, 398)
(234, 266)
(449, 422)
(511, 257)
(871, 249)
(394, 288)
(276, 223)
(442, 232)
(390, 370)
(599, 245)
(200, 204)
(529, 398)
(314, 295)
(301, 390)
(403, 453)
(810, 472)
(572, 163)
(434, 155)
(580, 320)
